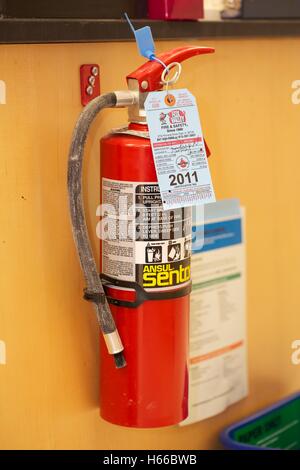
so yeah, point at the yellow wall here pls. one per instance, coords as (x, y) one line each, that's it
(49, 386)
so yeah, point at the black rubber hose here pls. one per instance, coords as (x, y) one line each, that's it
(94, 288)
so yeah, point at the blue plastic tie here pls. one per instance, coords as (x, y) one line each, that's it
(145, 42)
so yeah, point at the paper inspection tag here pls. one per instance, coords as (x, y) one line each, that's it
(178, 149)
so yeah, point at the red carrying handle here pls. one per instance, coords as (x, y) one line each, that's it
(151, 71)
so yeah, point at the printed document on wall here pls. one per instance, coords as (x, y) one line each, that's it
(218, 359)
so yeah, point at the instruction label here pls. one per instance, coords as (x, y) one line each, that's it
(178, 148)
(143, 243)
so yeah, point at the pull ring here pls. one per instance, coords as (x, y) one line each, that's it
(167, 70)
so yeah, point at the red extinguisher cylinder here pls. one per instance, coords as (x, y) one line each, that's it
(152, 390)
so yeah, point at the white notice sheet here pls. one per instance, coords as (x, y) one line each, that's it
(218, 364)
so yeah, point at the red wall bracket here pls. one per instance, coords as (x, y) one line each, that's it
(89, 82)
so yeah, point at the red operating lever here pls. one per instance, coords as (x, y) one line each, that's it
(151, 71)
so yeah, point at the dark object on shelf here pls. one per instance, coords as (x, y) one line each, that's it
(175, 9)
(232, 9)
(255, 9)
(71, 8)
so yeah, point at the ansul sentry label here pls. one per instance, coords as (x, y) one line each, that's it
(141, 242)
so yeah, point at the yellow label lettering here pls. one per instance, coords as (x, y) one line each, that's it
(164, 275)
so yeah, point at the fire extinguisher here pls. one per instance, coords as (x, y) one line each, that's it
(142, 295)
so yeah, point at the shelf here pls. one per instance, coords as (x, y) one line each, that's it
(20, 31)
